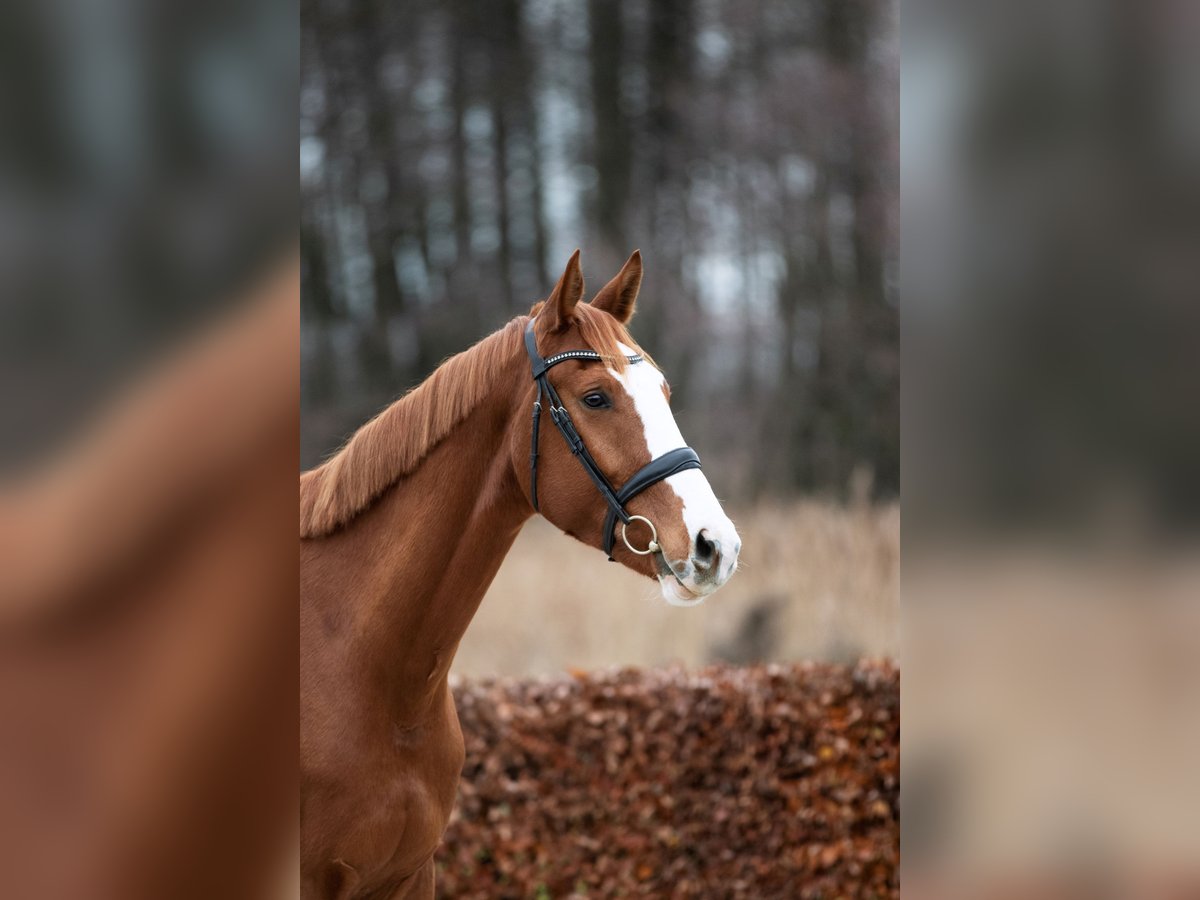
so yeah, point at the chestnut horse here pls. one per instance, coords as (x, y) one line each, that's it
(403, 530)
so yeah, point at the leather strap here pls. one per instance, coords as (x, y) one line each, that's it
(653, 472)
(670, 463)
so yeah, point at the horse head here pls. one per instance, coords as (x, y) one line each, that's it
(615, 414)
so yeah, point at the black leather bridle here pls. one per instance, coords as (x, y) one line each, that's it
(653, 472)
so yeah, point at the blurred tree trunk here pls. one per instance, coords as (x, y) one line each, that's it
(459, 93)
(388, 299)
(505, 34)
(503, 211)
(669, 65)
(746, 137)
(612, 143)
(873, 325)
(537, 197)
(315, 296)
(526, 119)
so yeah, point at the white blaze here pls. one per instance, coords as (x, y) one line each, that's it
(701, 509)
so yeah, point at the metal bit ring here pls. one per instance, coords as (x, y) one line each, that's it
(651, 547)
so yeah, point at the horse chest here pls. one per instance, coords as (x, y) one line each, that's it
(389, 801)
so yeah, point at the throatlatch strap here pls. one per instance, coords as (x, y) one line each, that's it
(533, 450)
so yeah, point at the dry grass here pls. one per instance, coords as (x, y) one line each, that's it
(817, 581)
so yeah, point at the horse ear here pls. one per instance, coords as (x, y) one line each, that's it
(559, 308)
(618, 297)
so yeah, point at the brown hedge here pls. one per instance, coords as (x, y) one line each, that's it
(761, 782)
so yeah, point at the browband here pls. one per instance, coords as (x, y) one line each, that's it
(653, 472)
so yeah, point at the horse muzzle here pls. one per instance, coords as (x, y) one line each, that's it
(711, 562)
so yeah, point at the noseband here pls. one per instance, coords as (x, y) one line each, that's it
(653, 472)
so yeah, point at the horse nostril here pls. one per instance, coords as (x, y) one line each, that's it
(708, 551)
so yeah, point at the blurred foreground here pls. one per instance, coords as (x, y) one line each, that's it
(816, 581)
(1050, 727)
(149, 325)
(1050, 388)
(758, 783)
(148, 632)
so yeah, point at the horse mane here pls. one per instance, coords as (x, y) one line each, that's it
(394, 442)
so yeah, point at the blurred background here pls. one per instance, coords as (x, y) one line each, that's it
(146, 183)
(1051, 369)
(453, 155)
(149, 391)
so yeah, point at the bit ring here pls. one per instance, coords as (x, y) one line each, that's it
(651, 547)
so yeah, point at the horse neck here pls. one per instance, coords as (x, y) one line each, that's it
(417, 564)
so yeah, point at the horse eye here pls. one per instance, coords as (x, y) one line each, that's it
(596, 400)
